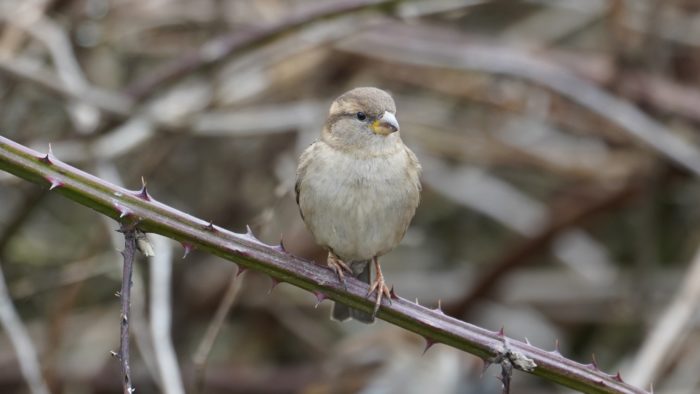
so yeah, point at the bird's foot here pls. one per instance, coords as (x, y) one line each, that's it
(338, 266)
(380, 287)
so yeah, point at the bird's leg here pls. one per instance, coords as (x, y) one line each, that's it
(379, 286)
(338, 266)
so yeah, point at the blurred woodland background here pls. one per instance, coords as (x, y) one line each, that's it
(561, 154)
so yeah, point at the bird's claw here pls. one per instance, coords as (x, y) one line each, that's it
(382, 290)
(338, 266)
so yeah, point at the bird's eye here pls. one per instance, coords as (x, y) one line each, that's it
(361, 116)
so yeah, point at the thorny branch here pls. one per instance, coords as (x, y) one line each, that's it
(507, 359)
(247, 251)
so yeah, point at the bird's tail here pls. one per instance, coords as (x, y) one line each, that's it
(361, 271)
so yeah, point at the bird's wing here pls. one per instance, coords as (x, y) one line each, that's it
(304, 161)
(416, 165)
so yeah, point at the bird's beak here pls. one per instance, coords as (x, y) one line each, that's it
(386, 124)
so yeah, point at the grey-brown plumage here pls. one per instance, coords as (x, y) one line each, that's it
(358, 188)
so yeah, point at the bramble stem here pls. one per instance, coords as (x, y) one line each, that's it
(247, 251)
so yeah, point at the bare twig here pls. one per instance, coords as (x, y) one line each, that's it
(24, 348)
(161, 272)
(28, 70)
(125, 297)
(477, 189)
(31, 200)
(223, 47)
(671, 330)
(676, 28)
(138, 324)
(202, 354)
(84, 114)
(438, 48)
(519, 255)
(249, 252)
(421, 9)
(70, 274)
(661, 93)
(506, 373)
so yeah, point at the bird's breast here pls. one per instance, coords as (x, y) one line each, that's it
(359, 207)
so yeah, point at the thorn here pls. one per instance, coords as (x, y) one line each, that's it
(319, 297)
(54, 183)
(428, 344)
(118, 294)
(556, 350)
(210, 227)
(240, 271)
(47, 158)
(618, 377)
(114, 354)
(143, 193)
(275, 282)
(392, 294)
(249, 232)
(188, 248)
(439, 307)
(123, 211)
(417, 303)
(527, 341)
(501, 332)
(594, 362)
(281, 247)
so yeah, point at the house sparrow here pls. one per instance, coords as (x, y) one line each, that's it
(358, 188)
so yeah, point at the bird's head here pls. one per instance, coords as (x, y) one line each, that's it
(362, 118)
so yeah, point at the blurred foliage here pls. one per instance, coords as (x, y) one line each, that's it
(574, 228)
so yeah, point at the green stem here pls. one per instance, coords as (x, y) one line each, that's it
(248, 252)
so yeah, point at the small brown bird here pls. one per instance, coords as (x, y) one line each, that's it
(358, 188)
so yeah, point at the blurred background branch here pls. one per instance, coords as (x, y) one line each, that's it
(560, 145)
(21, 341)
